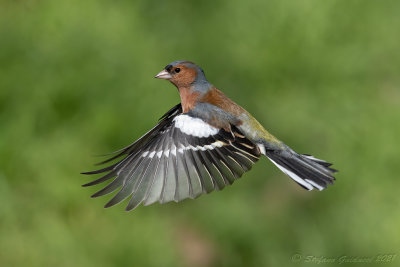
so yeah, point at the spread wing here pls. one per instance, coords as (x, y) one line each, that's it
(181, 157)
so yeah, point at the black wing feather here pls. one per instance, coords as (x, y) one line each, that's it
(167, 164)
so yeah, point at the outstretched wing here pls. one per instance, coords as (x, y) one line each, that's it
(181, 157)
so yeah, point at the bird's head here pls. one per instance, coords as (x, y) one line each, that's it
(184, 74)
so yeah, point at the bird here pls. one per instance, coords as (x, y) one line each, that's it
(203, 144)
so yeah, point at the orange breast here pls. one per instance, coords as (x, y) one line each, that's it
(188, 98)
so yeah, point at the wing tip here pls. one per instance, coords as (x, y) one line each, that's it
(108, 205)
(88, 173)
(94, 195)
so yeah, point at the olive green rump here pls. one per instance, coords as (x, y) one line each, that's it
(254, 131)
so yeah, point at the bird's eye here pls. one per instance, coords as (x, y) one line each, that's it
(177, 70)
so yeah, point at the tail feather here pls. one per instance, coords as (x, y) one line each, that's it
(307, 171)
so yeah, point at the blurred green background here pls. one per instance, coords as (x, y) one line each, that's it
(76, 80)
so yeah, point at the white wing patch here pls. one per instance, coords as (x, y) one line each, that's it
(194, 126)
(182, 148)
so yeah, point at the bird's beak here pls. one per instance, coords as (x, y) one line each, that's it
(163, 75)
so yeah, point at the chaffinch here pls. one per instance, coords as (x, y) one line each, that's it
(202, 144)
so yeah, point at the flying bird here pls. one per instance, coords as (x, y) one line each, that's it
(202, 144)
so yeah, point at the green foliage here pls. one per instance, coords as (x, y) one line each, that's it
(76, 79)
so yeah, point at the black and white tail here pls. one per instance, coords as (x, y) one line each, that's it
(307, 171)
